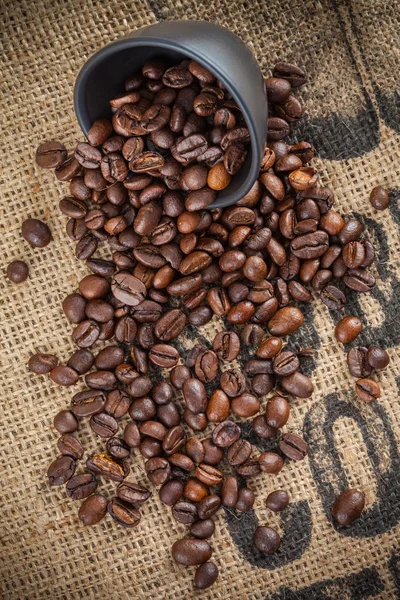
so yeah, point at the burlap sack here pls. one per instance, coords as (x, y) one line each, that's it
(351, 52)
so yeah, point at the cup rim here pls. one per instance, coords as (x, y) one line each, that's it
(129, 42)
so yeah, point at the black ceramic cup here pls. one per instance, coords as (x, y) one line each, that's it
(217, 48)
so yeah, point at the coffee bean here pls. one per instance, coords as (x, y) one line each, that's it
(69, 445)
(266, 539)
(68, 169)
(40, 364)
(103, 425)
(246, 405)
(206, 366)
(81, 486)
(353, 254)
(128, 289)
(293, 446)
(277, 128)
(65, 422)
(278, 500)
(292, 73)
(233, 382)
(269, 348)
(171, 491)
(246, 500)
(333, 297)
(196, 490)
(61, 470)
(50, 155)
(277, 412)
(63, 375)
(379, 198)
(358, 363)
(285, 363)
(278, 89)
(93, 509)
(132, 435)
(250, 468)
(239, 452)
(285, 321)
(208, 506)
(348, 329)
(367, 390)
(270, 462)
(17, 271)
(36, 233)
(158, 470)
(184, 512)
(260, 427)
(195, 396)
(359, 280)
(348, 506)
(298, 385)
(81, 361)
(252, 335)
(123, 513)
(189, 552)
(377, 357)
(225, 434)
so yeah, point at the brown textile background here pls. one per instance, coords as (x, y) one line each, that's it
(351, 52)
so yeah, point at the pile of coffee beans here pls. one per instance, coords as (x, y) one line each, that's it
(142, 183)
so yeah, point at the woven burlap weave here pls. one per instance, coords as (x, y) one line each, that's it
(352, 54)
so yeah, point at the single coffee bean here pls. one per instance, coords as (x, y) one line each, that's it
(17, 271)
(270, 462)
(189, 552)
(269, 348)
(123, 513)
(298, 385)
(353, 254)
(81, 486)
(278, 500)
(285, 363)
(171, 491)
(218, 407)
(359, 280)
(292, 73)
(379, 198)
(348, 506)
(51, 155)
(158, 470)
(69, 445)
(266, 539)
(196, 490)
(262, 384)
(377, 357)
(184, 512)
(61, 470)
(65, 422)
(293, 446)
(81, 361)
(277, 412)
(348, 329)
(40, 364)
(132, 435)
(233, 382)
(246, 499)
(262, 429)
(208, 474)
(367, 390)
(358, 363)
(206, 575)
(36, 233)
(202, 529)
(252, 335)
(195, 396)
(93, 509)
(103, 425)
(101, 380)
(104, 465)
(63, 375)
(208, 506)
(333, 297)
(250, 468)
(225, 434)
(285, 321)
(246, 405)
(239, 452)
(230, 491)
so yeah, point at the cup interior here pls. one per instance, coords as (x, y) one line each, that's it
(103, 77)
